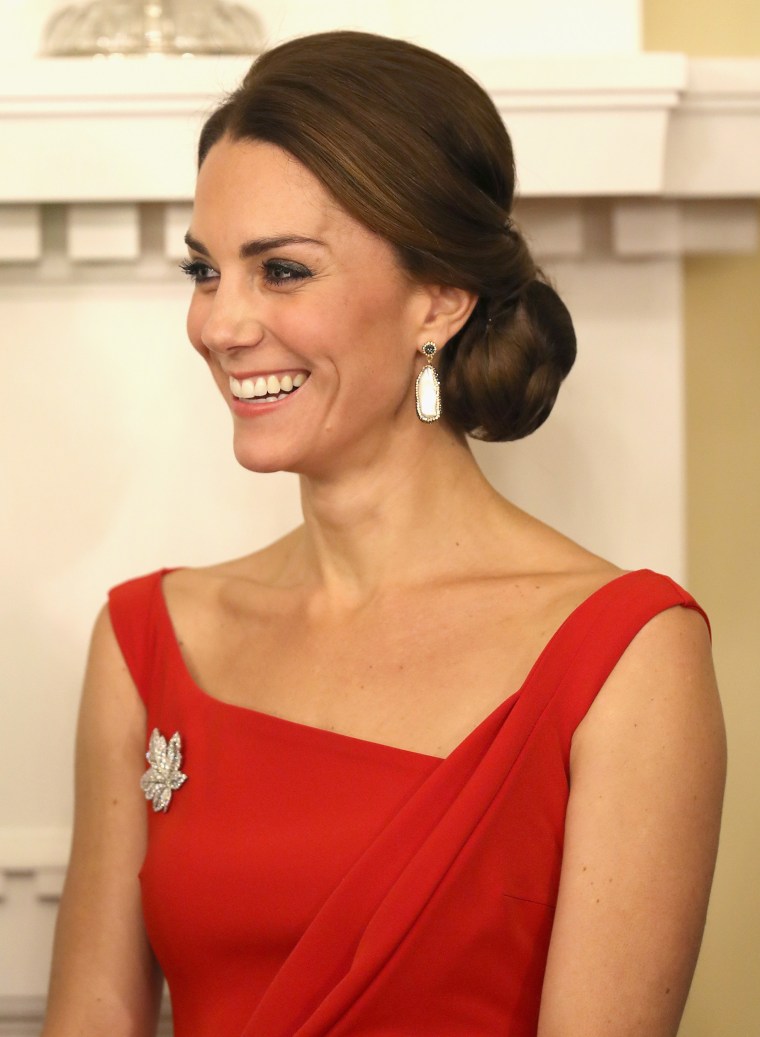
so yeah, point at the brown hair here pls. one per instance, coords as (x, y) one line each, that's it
(414, 149)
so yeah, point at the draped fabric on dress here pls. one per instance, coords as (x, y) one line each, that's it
(303, 882)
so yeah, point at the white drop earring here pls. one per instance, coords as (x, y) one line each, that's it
(428, 388)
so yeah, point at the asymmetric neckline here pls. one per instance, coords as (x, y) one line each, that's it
(366, 744)
(306, 883)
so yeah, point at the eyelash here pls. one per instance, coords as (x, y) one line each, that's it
(197, 271)
(289, 273)
(277, 272)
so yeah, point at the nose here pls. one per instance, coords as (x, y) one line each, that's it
(231, 322)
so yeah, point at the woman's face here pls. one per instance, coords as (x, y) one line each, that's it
(309, 326)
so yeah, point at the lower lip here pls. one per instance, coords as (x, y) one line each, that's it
(248, 409)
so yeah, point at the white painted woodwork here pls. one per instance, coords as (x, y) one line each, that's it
(20, 233)
(554, 227)
(104, 233)
(34, 847)
(646, 124)
(176, 224)
(646, 228)
(669, 228)
(714, 144)
(720, 227)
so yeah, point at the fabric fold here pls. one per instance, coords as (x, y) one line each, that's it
(454, 817)
(425, 914)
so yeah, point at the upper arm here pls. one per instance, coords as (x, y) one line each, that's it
(647, 775)
(104, 978)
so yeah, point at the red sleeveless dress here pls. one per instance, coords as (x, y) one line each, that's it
(303, 882)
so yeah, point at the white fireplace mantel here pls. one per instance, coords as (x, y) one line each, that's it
(649, 125)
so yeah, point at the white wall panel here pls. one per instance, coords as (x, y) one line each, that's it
(116, 459)
(607, 467)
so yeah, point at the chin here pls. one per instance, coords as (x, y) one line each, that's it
(264, 454)
(260, 461)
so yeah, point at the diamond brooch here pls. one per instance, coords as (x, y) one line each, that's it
(163, 776)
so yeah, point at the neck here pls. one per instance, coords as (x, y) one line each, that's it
(396, 521)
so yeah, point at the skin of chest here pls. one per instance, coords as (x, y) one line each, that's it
(417, 668)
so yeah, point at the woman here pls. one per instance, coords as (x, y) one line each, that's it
(422, 766)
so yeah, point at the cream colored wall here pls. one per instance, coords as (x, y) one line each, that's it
(702, 28)
(722, 324)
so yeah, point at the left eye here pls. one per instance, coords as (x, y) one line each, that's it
(197, 271)
(279, 272)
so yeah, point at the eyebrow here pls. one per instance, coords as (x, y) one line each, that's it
(257, 246)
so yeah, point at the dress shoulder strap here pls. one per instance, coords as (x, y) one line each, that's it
(587, 647)
(134, 608)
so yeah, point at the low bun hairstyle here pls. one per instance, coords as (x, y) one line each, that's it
(415, 149)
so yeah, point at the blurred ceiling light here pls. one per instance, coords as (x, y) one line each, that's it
(105, 28)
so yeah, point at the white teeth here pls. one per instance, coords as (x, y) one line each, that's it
(268, 399)
(266, 387)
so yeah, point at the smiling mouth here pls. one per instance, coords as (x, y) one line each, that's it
(266, 389)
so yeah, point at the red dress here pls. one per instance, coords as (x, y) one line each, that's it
(303, 882)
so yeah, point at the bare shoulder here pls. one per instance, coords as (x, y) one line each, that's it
(108, 688)
(664, 680)
(103, 976)
(647, 777)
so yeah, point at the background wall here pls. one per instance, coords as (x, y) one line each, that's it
(481, 27)
(722, 322)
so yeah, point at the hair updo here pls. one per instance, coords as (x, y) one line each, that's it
(415, 150)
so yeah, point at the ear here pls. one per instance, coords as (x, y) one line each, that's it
(447, 312)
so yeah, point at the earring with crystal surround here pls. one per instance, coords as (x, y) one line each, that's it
(428, 388)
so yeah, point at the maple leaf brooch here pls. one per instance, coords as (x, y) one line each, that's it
(164, 775)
